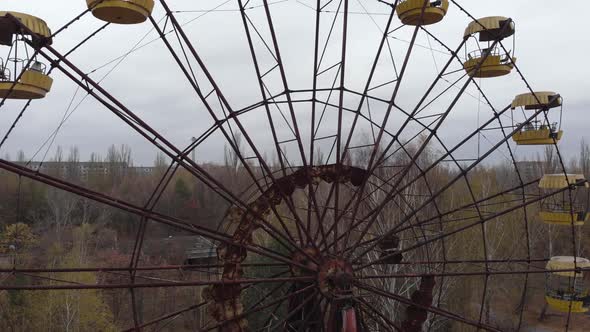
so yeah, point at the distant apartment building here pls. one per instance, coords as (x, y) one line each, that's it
(530, 170)
(85, 169)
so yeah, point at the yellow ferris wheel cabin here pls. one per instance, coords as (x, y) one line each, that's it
(494, 61)
(421, 12)
(562, 212)
(565, 289)
(539, 132)
(17, 79)
(561, 181)
(121, 11)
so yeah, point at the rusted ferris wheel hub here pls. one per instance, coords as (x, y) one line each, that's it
(333, 275)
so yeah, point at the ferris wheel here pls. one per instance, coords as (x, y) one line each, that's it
(368, 206)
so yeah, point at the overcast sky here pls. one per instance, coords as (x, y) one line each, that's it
(550, 47)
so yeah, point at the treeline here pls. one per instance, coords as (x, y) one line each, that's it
(41, 227)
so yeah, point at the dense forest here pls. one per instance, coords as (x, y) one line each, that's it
(43, 227)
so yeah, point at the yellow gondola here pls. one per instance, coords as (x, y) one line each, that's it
(565, 290)
(560, 212)
(33, 82)
(421, 12)
(538, 132)
(497, 62)
(121, 11)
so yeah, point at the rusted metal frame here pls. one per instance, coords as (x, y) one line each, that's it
(336, 184)
(203, 98)
(562, 164)
(466, 170)
(447, 89)
(126, 269)
(158, 285)
(324, 314)
(325, 46)
(571, 199)
(148, 278)
(327, 103)
(150, 205)
(351, 200)
(289, 100)
(374, 318)
(491, 217)
(501, 126)
(480, 216)
(375, 311)
(272, 313)
(290, 239)
(270, 317)
(347, 209)
(378, 163)
(417, 120)
(257, 308)
(307, 319)
(364, 95)
(341, 155)
(468, 274)
(137, 124)
(330, 229)
(337, 64)
(78, 283)
(385, 182)
(424, 144)
(167, 316)
(479, 201)
(508, 191)
(238, 123)
(489, 261)
(159, 190)
(50, 279)
(430, 309)
(430, 194)
(262, 40)
(259, 77)
(77, 18)
(313, 116)
(520, 179)
(278, 302)
(433, 131)
(370, 166)
(277, 306)
(295, 310)
(525, 211)
(403, 210)
(15, 122)
(383, 84)
(116, 203)
(436, 207)
(426, 127)
(254, 106)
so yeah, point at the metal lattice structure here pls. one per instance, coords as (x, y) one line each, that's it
(371, 213)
